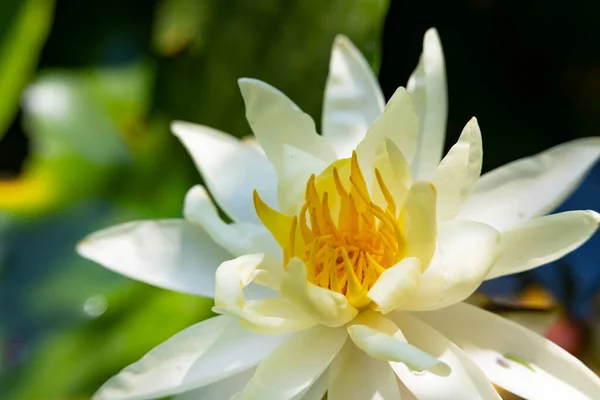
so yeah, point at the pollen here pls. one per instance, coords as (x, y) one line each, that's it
(345, 240)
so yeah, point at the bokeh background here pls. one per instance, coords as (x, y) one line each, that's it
(87, 91)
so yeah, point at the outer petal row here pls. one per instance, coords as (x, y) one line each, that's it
(545, 372)
(207, 352)
(532, 186)
(172, 254)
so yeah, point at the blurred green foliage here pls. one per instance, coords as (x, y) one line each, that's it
(25, 26)
(100, 153)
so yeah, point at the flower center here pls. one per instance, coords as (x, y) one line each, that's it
(345, 240)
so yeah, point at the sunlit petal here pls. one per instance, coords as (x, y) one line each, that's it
(514, 357)
(214, 153)
(353, 98)
(171, 254)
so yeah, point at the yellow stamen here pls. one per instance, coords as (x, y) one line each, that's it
(345, 239)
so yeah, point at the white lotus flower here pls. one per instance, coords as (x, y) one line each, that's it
(350, 253)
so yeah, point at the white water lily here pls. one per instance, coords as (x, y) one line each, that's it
(350, 253)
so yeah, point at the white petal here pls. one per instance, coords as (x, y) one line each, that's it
(197, 356)
(466, 251)
(543, 240)
(396, 285)
(296, 167)
(323, 305)
(238, 238)
(531, 186)
(355, 375)
(420, 223)
(270, 315)
(380, 338)
(558, 374)
(456, 175)
(466, 381)
(427, 86)
(399, 123)
(353, 98)
(295, 365)
(171, 254)
(277, 121)
(220, 390)
(215, 153)
(318, 389)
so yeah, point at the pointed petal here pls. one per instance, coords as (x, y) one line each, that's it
(456, 175)
(355, 375)
(466, 381)
(427, 86)
(171, 254)
(325, 306)
(277, 121)
(532, 186)
(197, 356)
(556, 374)
(380, 338)
(214, 153)
(420, 224)
(466, 251)
(353, 98)
(295, 365)
(396, 285)
(398, 122)
(268, 316)
(542, 240)
(296, 167)
(237, 238)
(223, 389)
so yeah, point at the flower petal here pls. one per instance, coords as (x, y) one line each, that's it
(238, 238)
(456, 175)
(277, 121)
(398, 122)
(268, 316)
(355, 375)
(427, 86)
(396, 285)
(204, 353)
(543, 369)
(466, 381)
(466, 251)
(395, 174)
(296, 167)
(542, 240)
(531, 186)
(381, 339)
(318, 389)
(223, 389)
(295, 365)
(214, 153)
(420, 224)
(171, 254)
(325, 306)
(353, 98)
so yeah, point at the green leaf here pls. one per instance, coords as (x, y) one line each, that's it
(20, 47)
